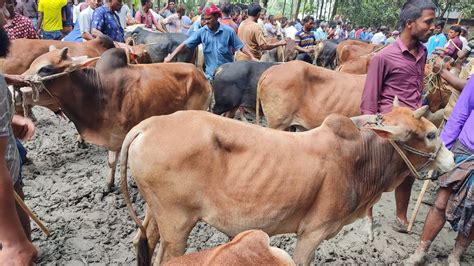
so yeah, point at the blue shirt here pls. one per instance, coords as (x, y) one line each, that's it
(75, 35)
(320, 35)
(107, 22)
(298, 26)
(368, 36)
(438, 40)
(217, 46)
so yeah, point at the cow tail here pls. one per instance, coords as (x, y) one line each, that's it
(143, 256)
(257, 102)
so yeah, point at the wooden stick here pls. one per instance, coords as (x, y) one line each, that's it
(30, 213)
(418, 204)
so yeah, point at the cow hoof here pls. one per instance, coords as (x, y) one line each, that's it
(108, 188)
(82, 145)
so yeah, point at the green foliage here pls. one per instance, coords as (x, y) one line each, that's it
(371, 12)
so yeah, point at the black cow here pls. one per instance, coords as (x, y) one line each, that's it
(235, 85)
(159, 45)
(327, 55)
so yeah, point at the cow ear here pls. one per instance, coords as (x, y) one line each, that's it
(418, 113)
(89, 62)
(386, 132)
(63, 53)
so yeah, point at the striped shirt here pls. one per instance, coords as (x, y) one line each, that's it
(304, 39)
(12, 156)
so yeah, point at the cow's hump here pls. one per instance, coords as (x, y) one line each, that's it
(341, 126)
(112, 59)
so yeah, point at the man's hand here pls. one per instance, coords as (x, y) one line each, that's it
(23, 128)
(168, 59)
(18, 254)
(282, 42)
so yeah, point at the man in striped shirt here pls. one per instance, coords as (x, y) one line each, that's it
(305, 39)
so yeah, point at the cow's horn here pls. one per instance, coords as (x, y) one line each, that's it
(64, 53)
(396, 102)
(418, 113)
(52, 48)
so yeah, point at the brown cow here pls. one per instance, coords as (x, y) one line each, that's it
(247, 248)
(359, 65)
(281, 53)
(237, 176)
(106, 102)
(306, 97)
(351, 49)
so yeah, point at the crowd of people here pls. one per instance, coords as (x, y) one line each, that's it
(230, 33)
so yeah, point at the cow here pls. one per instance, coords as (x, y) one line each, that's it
(306, 97)
(105, 102)
(247, 248)
(159, 45)
(195, 166)
(235, 86)
(281, 53)
(359, 65)
(326, 56)
(351, 49)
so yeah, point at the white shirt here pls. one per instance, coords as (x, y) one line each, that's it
(85, 19)
(157, 16)
(75, 12)
(464, 41)
(379, 38)
(290, 32)
(123, 14)
(173, 23)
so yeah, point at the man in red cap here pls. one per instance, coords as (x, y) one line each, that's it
(219, 42)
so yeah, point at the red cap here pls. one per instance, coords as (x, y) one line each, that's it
(213, 9)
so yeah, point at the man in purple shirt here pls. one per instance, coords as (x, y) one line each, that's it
(455, 197)
(453, 45)
(398, 70)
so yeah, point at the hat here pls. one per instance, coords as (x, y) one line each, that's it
(395, 32)
(213, 9)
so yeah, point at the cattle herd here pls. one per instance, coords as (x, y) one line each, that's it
(191, 162)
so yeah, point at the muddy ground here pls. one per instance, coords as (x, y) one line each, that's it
(63, 185)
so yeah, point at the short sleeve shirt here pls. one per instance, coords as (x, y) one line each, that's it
(107, 22)
(252, 36)
(145, 18)
(304, 39)
(12, 156)
(20, 27)
(173, 23)
(217, 46)
(85, 20)
(52, 17)
(27, 8)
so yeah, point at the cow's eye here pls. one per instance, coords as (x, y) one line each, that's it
(431, 135)
(46, 70)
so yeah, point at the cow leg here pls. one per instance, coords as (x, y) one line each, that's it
(80, 142)
(152, 233)
(306, 245)
(112, 161)
(242, 114)
(230, 114)
(173, 235)
(369, 227)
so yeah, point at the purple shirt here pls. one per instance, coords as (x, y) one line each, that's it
(460, 124)
(394, 71)
(454, 45)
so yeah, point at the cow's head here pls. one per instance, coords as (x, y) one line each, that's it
(57, 61)
(412, 130)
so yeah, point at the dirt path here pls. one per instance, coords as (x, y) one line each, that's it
(63, 185)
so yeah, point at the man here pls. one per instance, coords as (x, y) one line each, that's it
(290, 30)
(270, 27)
(173, 22)
(18, 26)
(29, 9)
(379, 37)
(144, 16)
(50, 20)
(67, 16)
(397, 70)
(218, 41)
(456, 193)
(198, 14)
(305, 40)
(393, 37)
(437, 40)
(106, 21)
(252, 35)
(16, 247)
(169, 9)
(320, 33)
(125, 16)
(226, 18)
(453, 45)
(85, 19)
(369, 34)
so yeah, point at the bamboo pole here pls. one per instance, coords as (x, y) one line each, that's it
(30, 213)
(418, 204)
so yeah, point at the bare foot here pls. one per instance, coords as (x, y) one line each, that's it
(418, 258)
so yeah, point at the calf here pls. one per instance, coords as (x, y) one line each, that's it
(105, 102)
(247, 248)
(192, 166)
